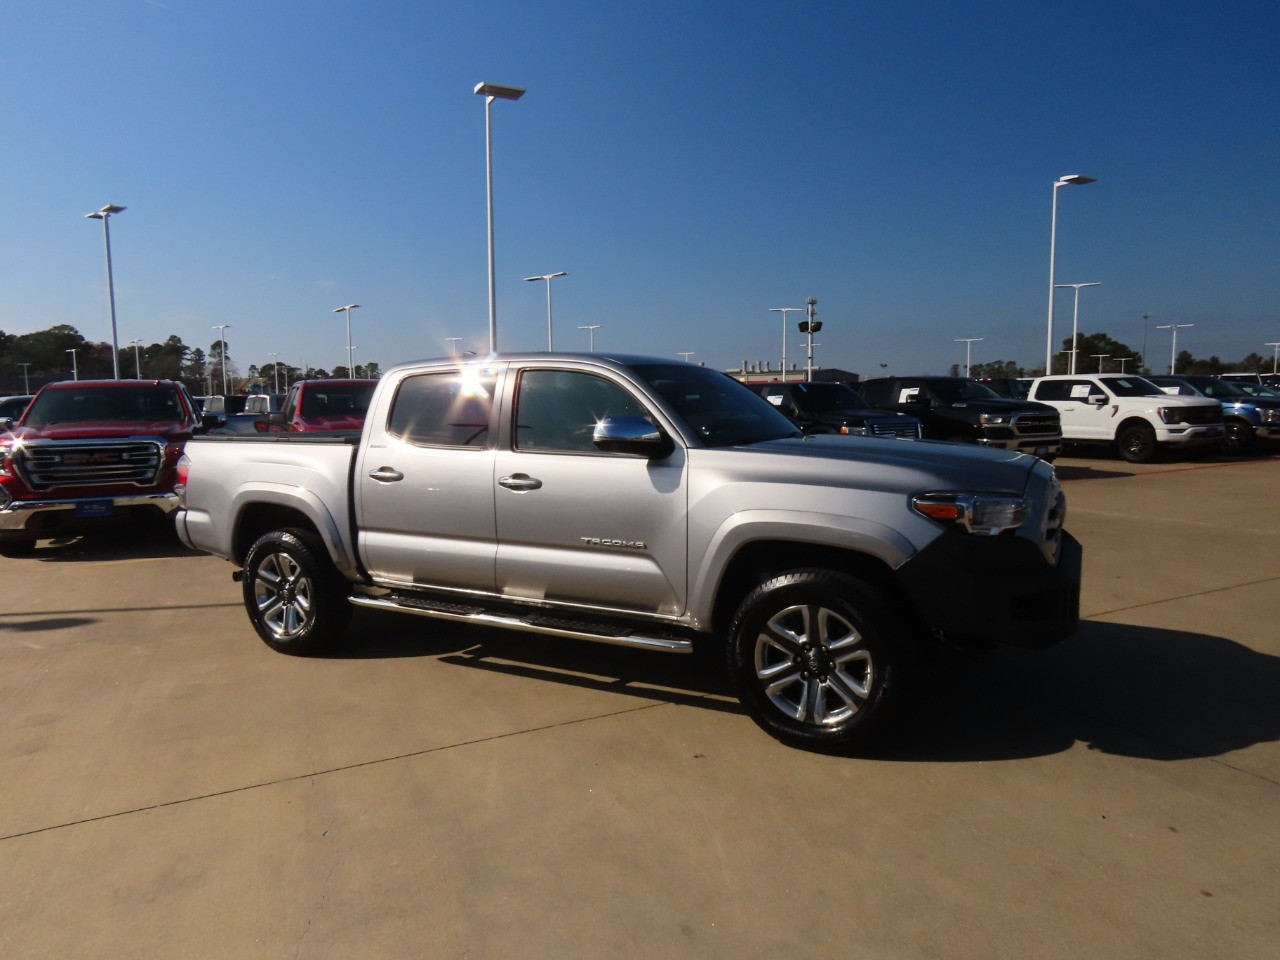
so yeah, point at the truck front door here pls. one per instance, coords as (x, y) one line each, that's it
(577, 525)
(1081, 419)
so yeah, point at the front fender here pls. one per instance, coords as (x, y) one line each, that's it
(821, 529)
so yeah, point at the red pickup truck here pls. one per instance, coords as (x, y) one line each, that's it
(90, 453)
(316, 405)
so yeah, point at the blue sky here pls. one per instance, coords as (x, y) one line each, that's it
(691, 165)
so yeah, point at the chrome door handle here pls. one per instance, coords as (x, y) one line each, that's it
(386, 475)
(519, 481)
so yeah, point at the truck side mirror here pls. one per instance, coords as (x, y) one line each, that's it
(634, 435)
(1097, 399)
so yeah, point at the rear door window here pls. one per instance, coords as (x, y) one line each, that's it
(448, 409)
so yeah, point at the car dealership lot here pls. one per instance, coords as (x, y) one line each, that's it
(171, 787)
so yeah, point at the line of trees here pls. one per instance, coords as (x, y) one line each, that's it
(30, 360)
(1099, 352)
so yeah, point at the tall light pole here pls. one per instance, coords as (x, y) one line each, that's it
(1077, 179)
(75, 370)
(453, 346)
(1145, 318)
(275, 372)
(591, 329)
(348, 308)
(1075, 317)
(137, 363)
(105, 215)
(222, 352)
(491, 92)
(784, 311)
(810, 326)
(548, 277)
(26, 379)
(1097, 356)
(686, 354)
(1173, 357)
(1275, 359)
(968, 345)
(1121, 361)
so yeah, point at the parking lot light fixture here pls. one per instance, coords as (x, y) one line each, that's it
(275, 372)
(453, 346)
(1077, 180)
(686, 354)
(968, 346)
(75, 370)
(137, 363)
(1099, 357)
(548, 277)
(1122, 361)
(491, 92)
(591, 329)
(1075, 317)
(1275, 358)
(26, 376)
(784, 311)
(105, 214)
(1173, 356)
(347, 309)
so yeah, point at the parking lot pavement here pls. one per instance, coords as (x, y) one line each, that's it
(172, 788)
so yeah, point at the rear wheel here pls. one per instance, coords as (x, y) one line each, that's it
(1137, 443)
(816, 657)
(295, 598)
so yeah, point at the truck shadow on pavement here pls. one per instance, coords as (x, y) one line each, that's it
(1120, 689)
(148, 541)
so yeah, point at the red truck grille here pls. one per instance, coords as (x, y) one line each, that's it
(46, 464)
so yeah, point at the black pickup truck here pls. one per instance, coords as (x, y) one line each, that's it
(821, 407)
(965, 411)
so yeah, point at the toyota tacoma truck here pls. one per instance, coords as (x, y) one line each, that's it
(1129, 413)
(650, 504)
(91, 453)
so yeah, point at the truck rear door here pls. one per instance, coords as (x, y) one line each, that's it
(424, 481)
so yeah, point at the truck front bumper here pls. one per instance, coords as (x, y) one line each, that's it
(36, 519)
(979, 591)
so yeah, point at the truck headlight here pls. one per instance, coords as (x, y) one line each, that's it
(1170, 414)
(857, 430)
(1271, 416)
(989, 419)
(982, 514)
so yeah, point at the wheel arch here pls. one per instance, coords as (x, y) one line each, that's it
(263, 510)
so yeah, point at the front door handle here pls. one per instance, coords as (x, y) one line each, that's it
(386, 475)
(519, 481)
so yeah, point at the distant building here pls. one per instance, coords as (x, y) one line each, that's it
(764, 372)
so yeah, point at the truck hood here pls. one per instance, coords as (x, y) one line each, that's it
(104, 430)
(997, 405)
(857, 413)
(881, 463)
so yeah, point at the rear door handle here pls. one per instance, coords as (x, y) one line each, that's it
(386, 475)
(519, 481)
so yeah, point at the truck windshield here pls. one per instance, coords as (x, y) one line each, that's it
(716, 407)
(98, 404)
(821, 397)
(1132, 387)
(954, 390)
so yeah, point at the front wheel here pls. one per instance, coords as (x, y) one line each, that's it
(295, 598)
(816, 658)
(1137, 443)
(1238, 437)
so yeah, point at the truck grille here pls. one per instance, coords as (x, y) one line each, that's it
(1037, 424)
(1201, 414)
(87, 463)
(891, 428)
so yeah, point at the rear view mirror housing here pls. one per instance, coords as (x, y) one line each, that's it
(634, 435)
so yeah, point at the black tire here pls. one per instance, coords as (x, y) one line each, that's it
(1238, 438)
(17, 548)
(295, 598)
(1137, 443)
(816, 658)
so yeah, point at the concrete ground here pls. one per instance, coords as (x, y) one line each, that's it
(170, 788)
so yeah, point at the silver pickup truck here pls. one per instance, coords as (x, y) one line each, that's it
(648, 503)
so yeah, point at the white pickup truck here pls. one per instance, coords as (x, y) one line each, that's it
(646, 503)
